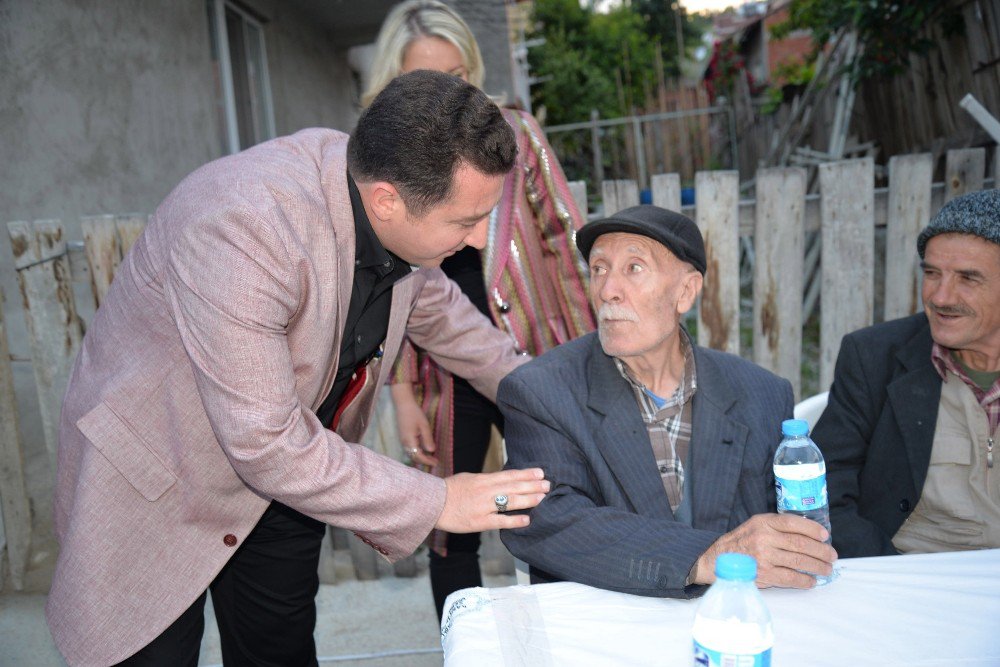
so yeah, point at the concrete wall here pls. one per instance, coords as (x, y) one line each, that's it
(311, 82)
(488, 21)
(107, 105)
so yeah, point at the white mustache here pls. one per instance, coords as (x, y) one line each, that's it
(609, 311)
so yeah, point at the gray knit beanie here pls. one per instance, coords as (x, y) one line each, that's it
(977, 213)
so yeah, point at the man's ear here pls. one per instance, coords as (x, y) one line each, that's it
(384, 201)
(693, 282)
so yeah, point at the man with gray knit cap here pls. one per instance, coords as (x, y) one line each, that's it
(910, 430)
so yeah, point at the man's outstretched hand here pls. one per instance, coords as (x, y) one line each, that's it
(469, 506)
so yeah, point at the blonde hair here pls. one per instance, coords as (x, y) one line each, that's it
(410, 21)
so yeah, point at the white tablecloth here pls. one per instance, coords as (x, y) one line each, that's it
(928, 609)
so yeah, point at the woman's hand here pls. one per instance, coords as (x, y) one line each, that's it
(414, 427)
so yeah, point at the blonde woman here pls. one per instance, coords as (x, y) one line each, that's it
(528, 280)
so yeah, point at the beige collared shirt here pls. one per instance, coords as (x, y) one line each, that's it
(959, 505)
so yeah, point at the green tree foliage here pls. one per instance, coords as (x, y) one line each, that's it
(596, 60)
(660, 19)
(888, 30)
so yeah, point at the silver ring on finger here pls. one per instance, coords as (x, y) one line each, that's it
(501, 502)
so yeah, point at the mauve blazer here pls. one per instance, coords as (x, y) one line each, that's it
(191, 403)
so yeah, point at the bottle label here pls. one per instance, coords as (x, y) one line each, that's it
(800, 488)
(706, 657)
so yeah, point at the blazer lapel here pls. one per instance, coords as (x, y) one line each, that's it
(358, 414)
(622, 437)
(717, 446)
(341, 261)
(403, 295)
(915, 396)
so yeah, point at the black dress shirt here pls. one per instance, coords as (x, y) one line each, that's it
(375, 271)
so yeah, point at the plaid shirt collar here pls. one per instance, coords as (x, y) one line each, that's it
(944, 363)
(685, 390)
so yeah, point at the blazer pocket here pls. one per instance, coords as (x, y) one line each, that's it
(126, 451)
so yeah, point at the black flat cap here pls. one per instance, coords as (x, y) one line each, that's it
(677, 232)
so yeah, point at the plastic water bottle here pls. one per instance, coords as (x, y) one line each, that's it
(732, 627)
(800, 478)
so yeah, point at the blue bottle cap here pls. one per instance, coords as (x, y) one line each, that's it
(795, 427)
(738, 567)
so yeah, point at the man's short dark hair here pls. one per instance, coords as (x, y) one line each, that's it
(420, 129)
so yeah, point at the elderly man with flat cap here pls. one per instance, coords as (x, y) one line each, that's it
(659, 451)
(914, 415)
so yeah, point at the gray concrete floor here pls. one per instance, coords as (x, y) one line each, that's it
(388, 622)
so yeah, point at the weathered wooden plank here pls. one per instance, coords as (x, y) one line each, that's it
(100, 242)
(618, 195)
(964, 172)
(847, 196)
(666, 191)
(578, 190)
(779, 273)
(717, 215)
(909, 212)
(55, 330)
(15, 517)
(130, 228)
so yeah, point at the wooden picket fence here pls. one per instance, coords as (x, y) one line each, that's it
(845, 215)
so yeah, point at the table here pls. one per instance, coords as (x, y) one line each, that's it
(925, 609)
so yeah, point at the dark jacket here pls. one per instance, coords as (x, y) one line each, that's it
(877, 431)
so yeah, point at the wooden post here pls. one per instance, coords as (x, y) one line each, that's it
(55, 330)
(718, 217)
(963, 172)
(779, 272)
(847, 205)
(595, 142)
(909, 211)
(666, 191)
(100, 242)
(618, 195)
(578, 190)
(15, 519)
(704, 130)
(130, 228)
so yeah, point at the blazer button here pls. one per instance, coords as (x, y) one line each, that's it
(904, 505)
(229, 540)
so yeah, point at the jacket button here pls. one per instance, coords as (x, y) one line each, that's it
(229, 540)
(904, 505)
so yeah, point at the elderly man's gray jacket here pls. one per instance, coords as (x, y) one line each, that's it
(607, 522)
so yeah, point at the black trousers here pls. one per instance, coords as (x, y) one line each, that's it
(264, 600)
(474, 416)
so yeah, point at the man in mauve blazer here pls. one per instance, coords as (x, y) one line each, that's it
(191, 409)
(660, 452)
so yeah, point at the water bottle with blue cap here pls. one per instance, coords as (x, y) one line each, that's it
(732, 625)
(800, 478)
